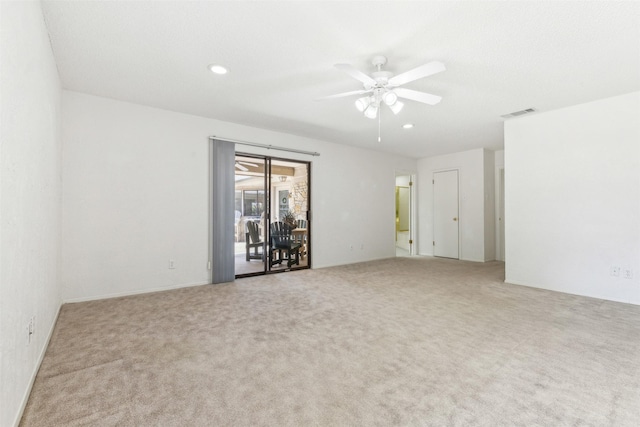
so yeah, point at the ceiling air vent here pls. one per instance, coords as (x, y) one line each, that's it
(519, 113)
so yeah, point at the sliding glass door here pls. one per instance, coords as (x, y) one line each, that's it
(272, 227)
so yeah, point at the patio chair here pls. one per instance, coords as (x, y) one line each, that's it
(283, 243)
(254, 241)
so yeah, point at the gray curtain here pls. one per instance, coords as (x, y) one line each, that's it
(223, 212)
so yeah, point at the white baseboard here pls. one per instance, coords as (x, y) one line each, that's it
(130, 293)
(563, 291)
(43, 350)
(338, 264)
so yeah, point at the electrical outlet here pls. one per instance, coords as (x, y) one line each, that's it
(172, 264)
(614, 271)
(627, 273)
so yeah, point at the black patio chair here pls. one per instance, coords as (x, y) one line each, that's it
(283, 243)
(254, 241)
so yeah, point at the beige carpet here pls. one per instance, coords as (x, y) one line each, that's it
(406, 341)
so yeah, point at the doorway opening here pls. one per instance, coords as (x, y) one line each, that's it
(403, 226)
(271, 225)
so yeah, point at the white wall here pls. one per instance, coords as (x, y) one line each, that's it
(135, 194)
(29, 200)
(471, 182)
(573, 199)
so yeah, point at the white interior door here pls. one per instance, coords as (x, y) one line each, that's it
(445, 214)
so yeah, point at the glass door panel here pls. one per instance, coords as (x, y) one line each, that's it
(251, 204)
(290, 205)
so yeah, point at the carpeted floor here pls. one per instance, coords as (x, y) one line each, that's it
(405, 341)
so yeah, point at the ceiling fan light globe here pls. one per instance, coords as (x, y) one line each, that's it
(362, 103)
(396, 107)
(390, 98)
(371, 112)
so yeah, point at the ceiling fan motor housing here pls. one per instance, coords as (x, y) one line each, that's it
(382, 77)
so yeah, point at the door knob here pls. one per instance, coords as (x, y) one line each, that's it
(455, 219)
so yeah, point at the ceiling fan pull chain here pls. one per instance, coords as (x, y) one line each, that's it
(379, 118)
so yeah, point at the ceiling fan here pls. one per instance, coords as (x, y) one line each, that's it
(382, 87)
(241, 165)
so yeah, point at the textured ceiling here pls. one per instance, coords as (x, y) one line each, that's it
(500, 57)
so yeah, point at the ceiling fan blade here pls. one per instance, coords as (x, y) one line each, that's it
(242, 168)
(340, 95)
(414, 95)
(247, 163)
(356, 74)
(425, 70)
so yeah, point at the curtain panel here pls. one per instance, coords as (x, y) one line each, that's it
(222, 210)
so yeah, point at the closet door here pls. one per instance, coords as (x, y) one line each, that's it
(445, 214)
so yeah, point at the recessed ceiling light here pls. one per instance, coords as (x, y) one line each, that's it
(217, 69)
(407, 126)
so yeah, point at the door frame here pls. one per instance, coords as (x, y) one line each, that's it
(268, 212)
(412, 212)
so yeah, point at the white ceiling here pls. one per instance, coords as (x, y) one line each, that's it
(500, 57)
